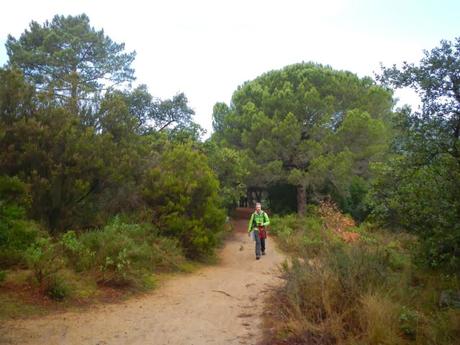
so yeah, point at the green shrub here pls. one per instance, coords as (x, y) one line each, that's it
(113, 249)
(57, 288)
(408, 321)
(182, 191)
(76, 253)
(43, 259)
(422, 200)
(123, 254)
(16, 232)
(305, 237)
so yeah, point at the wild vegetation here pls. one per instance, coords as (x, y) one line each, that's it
(370, 290)
(313, 134)
(104, 185)
(329, 134)
(97, 179)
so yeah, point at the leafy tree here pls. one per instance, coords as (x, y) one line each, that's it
(65, 165)
(70, 59)
(116, 118)
(437, 81)
(219, 112)
(84, 162)
(172, 112)
(16, 97)
(306, 124)
(140, 113)
(80, 174)
(231, 168)
(418, 188)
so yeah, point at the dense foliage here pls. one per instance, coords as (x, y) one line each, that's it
(182, 191)
(309, 126)
(418, 188)
(102, 179)
(80, 150)
(17, 233)
(69, 59)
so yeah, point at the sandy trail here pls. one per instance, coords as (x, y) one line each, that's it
(219, 304)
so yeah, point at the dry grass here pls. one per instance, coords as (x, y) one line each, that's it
(380, 318)
(363, 293)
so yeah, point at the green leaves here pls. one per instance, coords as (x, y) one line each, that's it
(44, 260)
(231, 168)
(16, 96)
(183, 192)
(365, 137)
(70, 59)
(437, 81)
(418, 188)
(307, 125)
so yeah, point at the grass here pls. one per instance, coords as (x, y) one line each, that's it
(104, 265)
(367, 292)
(13, 308)
(20, 295)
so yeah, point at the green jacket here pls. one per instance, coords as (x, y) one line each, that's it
(258, 218)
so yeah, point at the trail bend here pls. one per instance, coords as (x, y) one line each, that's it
(219, 304)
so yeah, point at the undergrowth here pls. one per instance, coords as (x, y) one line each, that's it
(365, 292)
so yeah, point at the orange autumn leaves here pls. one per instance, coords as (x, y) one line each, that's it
(335, 221)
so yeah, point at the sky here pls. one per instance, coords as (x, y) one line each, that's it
(206, 48)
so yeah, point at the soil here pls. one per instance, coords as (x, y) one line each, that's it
(220, 304)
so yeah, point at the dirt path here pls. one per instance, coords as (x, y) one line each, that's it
(220, 304)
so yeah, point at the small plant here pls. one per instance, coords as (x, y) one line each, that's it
(118, 268)
(77, 254)
(56, 288)
(43, 259)
(408, 320)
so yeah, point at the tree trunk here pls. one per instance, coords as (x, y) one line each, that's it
(301, 200)
(74, 90)
(258, 195)
(249, 197)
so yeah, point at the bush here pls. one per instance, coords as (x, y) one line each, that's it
(183, 194)
(424, 201)
(78, 256)
(366, 292)
(304, 237)
(16, 232)
(123, 254)
(44, 260)
(57, 288)
(408, 321)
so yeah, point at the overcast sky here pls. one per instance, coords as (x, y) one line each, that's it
(206, 48)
